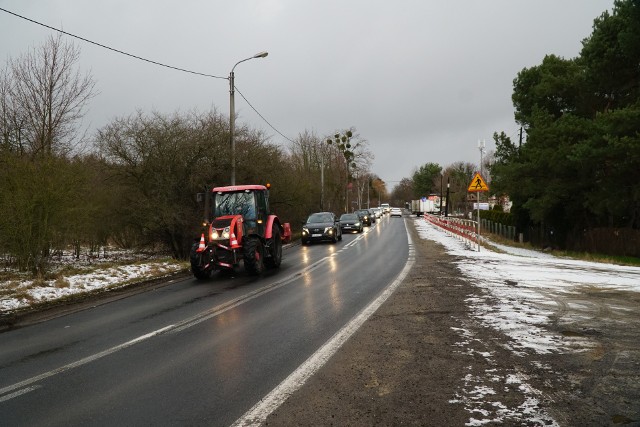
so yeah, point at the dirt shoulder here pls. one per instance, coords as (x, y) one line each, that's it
(403, 366)
(422, 359)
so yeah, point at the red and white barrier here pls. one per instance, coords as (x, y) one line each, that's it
(464, 229)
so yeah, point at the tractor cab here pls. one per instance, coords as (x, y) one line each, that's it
(251, 203)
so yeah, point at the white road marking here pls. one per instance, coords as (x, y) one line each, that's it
(83, 361)
(19, 393)
(329, 348)
(187, 323)
(261, 410)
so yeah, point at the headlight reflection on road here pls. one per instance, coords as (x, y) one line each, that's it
(332, 264)
(305, 255)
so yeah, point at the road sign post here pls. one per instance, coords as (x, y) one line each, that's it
(478, 185)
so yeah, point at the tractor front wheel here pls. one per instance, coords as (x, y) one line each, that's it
(253, 256)
(197, 269)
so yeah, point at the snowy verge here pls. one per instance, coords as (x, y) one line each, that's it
(18, 295)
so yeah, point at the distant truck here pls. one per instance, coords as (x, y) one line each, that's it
(422, 206)
(385, 208)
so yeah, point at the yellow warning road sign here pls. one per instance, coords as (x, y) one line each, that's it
(478, 184)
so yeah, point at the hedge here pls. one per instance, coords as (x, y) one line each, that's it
(504, 218)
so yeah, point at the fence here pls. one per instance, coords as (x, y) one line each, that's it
(463, 229)
(506, 231)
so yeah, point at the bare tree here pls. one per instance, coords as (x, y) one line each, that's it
(46, 96)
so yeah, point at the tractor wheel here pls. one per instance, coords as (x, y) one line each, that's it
(276, 249)
(253, 256)
(196, 266)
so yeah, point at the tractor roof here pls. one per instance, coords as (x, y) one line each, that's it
(233, 188)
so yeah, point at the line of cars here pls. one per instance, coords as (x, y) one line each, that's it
(326, 226)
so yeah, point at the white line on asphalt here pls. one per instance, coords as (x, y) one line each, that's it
(19, 393)
(171, 328)
(261, 410)
(201, 317)
(83, 361)
(206, 315)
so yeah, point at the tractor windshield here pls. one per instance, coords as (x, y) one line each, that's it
(241, 203)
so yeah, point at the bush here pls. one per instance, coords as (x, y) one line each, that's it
(504, 218)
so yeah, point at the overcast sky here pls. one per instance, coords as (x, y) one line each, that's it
(422, 81)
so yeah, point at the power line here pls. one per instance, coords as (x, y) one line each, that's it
(261, 116)
(146, 60)
(111, 48)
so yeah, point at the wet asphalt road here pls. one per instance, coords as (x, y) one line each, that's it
(191, 352)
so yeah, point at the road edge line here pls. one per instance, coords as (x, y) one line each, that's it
(261, 410)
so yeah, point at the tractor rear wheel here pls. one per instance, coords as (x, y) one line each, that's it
(275, 248)
(253, 256)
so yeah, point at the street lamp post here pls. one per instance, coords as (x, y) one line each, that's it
(232, 114)
(481, 146)
(446, 207)
(343, 143)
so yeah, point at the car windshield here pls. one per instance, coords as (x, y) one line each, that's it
(349, 217)
(363, 212)
(317, 218)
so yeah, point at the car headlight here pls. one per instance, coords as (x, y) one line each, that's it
(328, 230)
(305, 230)
(357, 224)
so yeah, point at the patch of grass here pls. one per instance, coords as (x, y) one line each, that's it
(61, 283)
(24, 295)
(583, 256)
(609, 259)
(38, 282)
(10, 288)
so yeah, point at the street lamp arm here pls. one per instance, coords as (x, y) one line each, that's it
(257, 55)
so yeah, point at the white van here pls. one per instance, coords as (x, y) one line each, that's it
(385, 207)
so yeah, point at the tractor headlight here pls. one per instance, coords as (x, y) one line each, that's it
(220, 235)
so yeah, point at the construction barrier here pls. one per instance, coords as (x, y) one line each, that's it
(463, 229)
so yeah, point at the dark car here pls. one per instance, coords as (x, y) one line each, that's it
(372, 212)
(351, 222)
(321, 226)
(365, 216)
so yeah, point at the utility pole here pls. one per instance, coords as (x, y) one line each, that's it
(322, 182)
(481, 146)
(441, 176)
(446, 206)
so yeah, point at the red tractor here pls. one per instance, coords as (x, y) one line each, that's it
(238, 226)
